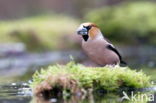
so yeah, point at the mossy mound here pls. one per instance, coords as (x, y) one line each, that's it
(127, 22)
(75, 77)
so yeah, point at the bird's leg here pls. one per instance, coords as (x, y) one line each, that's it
(111, 65)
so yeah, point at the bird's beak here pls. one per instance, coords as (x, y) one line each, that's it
(82, 31)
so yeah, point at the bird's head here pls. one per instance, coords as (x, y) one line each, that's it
(89, 31)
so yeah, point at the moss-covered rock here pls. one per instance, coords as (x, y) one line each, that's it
(75, 77)
(128, 22)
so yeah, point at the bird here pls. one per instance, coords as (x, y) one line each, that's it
(97, 47)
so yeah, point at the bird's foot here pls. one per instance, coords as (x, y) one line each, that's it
(113, 66)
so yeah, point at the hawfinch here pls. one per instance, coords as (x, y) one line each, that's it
(96, 46)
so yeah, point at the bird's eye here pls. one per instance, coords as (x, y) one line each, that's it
(87, 27)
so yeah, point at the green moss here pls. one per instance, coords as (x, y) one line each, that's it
(127, 22)
(40, 32)
(107, 78)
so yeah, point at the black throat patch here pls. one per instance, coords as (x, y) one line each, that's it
(85, 37)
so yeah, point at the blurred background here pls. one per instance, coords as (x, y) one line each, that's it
(37, 33)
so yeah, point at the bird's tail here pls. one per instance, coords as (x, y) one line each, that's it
(123, 63)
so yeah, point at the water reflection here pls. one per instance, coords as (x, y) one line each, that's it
(105, 98)
(21, 93)
(15, 93)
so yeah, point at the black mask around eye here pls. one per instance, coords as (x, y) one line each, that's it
(85, 37)
(87, 27)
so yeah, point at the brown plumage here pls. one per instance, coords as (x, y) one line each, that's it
(97, 47)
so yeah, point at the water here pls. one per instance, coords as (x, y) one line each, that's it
(15, 93)
(21, 93)
(19, 64)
